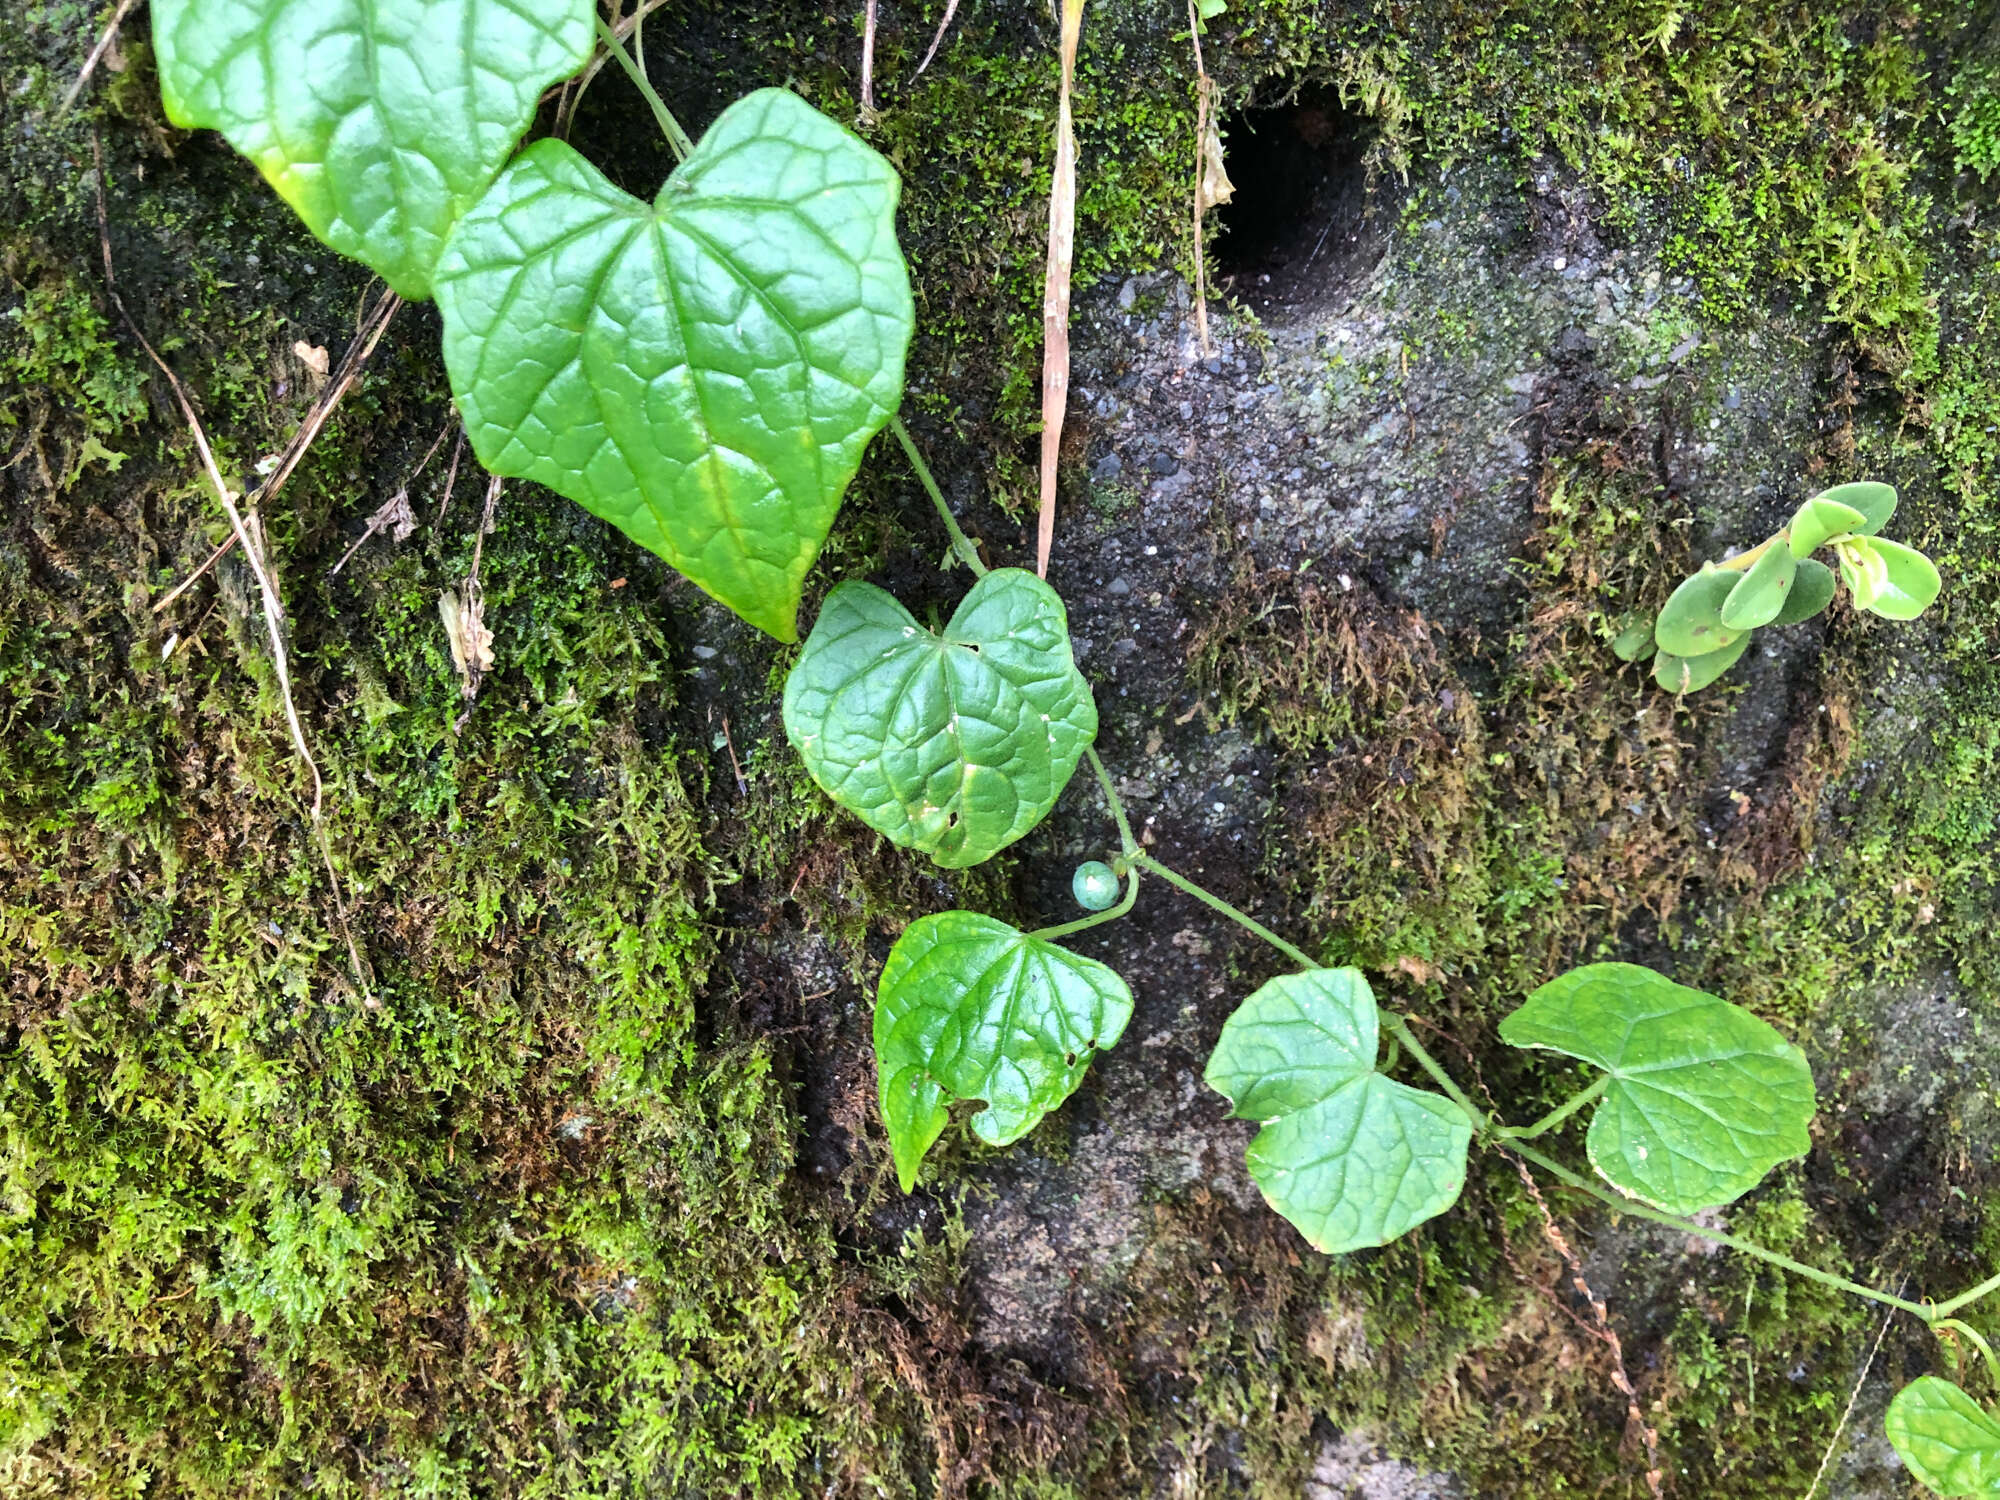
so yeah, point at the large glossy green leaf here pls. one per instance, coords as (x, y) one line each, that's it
(379, 121)
(970, 1008)
(1945, 1438)
(1691, 622)
(1887, 578)
(1350, 1157)
(1704, 1097)
(955, 744)
(702, 371)
(1812, 591)
(1759, 596)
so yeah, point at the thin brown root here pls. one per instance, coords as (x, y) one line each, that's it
(96, 55)
(1635, 1419)
(950, 10)
(1833, 1443)
(450, 478)
(1055, 290)
(249, 537)
(395, 514)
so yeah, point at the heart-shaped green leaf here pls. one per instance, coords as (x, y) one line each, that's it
(702, 371)
(1688, 674)
(1704, 1097)
(1872, 500)
(1691, 624)
(1812, 590)
(970, 1008)
(955, 744)
(1350, 1157)
(1945, 1438)
(1887, 578)
(379, 121)
(1817, 520)
(1760, 594)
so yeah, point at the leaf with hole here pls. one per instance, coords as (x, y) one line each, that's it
(380, 121)
(1887, 578)
(1872, 500)
(1945, 1438)
(971, 1008)
(1350, 1157)
(1704, 1097)
(1820, 519)
(702, 371)
(1760, 594)
(1691, 623)
(955, 744)
(1812, 591)
(1688, 674)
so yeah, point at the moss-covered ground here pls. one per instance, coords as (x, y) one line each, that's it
(570, 1185)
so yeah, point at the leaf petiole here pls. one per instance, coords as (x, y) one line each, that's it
(1297, 955)
(1953, 1325)
(1399, 1028)
(961, 544)
(1557, 1115)
(669, 126)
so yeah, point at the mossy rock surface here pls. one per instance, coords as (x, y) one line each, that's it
(518, 1138)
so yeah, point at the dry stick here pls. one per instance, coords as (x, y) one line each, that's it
(253, 553)
(374, 324)
(868, 62)
(451, 477)
(96, 54)
(950, 10)
(1055, 291)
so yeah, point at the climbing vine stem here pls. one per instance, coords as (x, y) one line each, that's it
(669, 126)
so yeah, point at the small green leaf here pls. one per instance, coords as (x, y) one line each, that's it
(1688, 674)
(1704, 1097)
(1812, 591)
(1945, 1438)
(379, 121)
(1819, 519)
(1887, 578)
(1635, 642)
(970, 1008)
(1759, 596)
(702, 371)
(1350, 1157)
(1874, 501)
(1691, 624)
(955, 745)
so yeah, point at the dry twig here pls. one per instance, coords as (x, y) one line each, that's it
(249, 536)
(1212, 186)
(950, 10)
(1055, 291)
(868, 62)
(90, 63)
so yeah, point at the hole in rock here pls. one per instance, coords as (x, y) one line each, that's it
(1299, 222)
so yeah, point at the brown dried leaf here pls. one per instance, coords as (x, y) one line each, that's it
(464, 619)
(1055, 291)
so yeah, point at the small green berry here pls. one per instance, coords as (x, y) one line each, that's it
(1095, 885)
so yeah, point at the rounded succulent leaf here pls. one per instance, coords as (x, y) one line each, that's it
(1691, 624)
(1819, 520)
(1704, 1098)
(1350, 1157)
(1887, 578)
(702, 371)
(1688, 674)
(1760, 594)
(955, 744)
(1812, 590)
(1095, 885)
(379, 121)
(1874, 501)
(971, 1008)
(1634, 642)
(1945, 1438)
